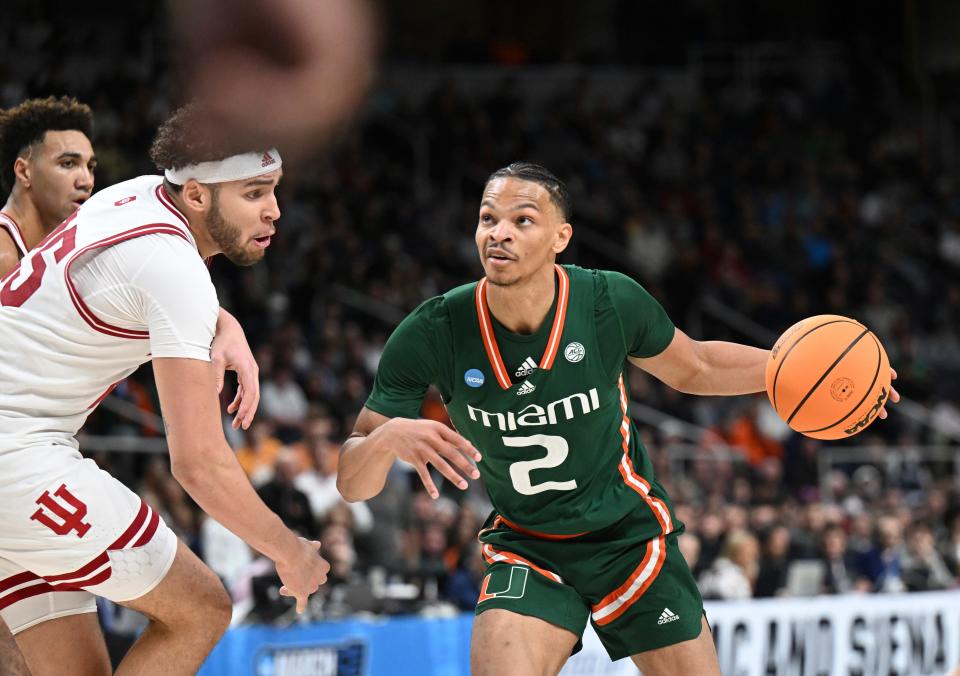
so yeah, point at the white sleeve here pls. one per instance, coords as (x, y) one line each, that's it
(156, 283)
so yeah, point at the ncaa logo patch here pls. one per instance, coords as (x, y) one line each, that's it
(574, 352)
(473, 378)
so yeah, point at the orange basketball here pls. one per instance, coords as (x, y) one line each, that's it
(828, 376)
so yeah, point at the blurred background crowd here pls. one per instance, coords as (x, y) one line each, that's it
(744, 186)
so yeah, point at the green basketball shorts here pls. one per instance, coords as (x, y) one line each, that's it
(639, 594)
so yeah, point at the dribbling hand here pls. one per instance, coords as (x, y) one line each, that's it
(428, 442)
(303, 573)
(892, 399)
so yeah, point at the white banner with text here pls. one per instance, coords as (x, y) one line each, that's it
(894, 635)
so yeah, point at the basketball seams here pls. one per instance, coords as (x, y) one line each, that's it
(793, 345)
(826, 373)
(869, 390)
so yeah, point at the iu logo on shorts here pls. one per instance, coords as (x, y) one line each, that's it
(69, 509)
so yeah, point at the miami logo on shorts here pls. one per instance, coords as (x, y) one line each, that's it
(511, 586)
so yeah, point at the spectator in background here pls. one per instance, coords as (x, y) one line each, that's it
(806, 538)
(165, 494)
(923, 567)
(463, 586)
(282, 496)
(711, 529)
(951, 548)
(883, 563)
(841, 573)
(226, 554)
(259, 455)
(744, 433)
(733, 574)
(319, 484)
(801, 474)
(338, 548)
(772, 576)
(689, 545)
(282, 400)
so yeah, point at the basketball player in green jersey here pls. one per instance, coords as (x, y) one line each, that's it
(530, 361)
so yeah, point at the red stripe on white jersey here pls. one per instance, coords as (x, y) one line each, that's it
(16, 581)
(25, 592)
(168, 203)
(133, 528)
(81, 307)
(16, 233)
(80, 572)
(26, 584)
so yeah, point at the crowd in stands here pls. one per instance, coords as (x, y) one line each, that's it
(816, 193)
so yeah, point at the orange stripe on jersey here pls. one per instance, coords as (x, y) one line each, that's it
(534, 533)
(553, 344)
(629, 474)
(617, 602)
(489, 340)
(493, 556)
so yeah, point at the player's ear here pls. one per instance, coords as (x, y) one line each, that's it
(562, 239)
(21, 171)
(196, 195)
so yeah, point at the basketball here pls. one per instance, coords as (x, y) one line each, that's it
(828, 377)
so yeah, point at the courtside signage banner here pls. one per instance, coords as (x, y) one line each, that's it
(909, 635)
(905, 635)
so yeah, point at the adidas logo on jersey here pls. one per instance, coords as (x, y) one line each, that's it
(667, 616)
(526, 368)
(526, 388)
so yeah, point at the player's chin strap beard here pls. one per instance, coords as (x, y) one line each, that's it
(233, 168)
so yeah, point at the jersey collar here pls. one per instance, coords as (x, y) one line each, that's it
(490, 340)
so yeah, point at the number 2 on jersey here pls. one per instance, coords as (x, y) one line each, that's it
(557, 451)
(63, 239)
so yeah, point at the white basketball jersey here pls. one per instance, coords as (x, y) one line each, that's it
(13, 228)
(58, 359)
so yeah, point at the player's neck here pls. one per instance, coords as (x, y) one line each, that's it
(205, 244)
(26, 215)
(523, 307)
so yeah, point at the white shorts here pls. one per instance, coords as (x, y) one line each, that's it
(69, 531)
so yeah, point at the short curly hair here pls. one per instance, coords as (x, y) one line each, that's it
(528, 171)
(27, 124)
(180, 141)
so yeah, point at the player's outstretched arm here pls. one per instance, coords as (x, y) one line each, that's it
(367, 455)
(715, 367)
(707, 367)
(207, 469)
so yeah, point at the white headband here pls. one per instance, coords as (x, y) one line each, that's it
(233, 168)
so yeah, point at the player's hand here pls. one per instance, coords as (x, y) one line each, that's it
(281, 73)
(230, 351)
(303, 573)
(893, 398)
(428, 442)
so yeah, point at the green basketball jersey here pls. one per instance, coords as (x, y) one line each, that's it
(548, 411)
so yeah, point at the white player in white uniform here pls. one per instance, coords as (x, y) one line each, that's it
(46, 169)
(123, 281)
